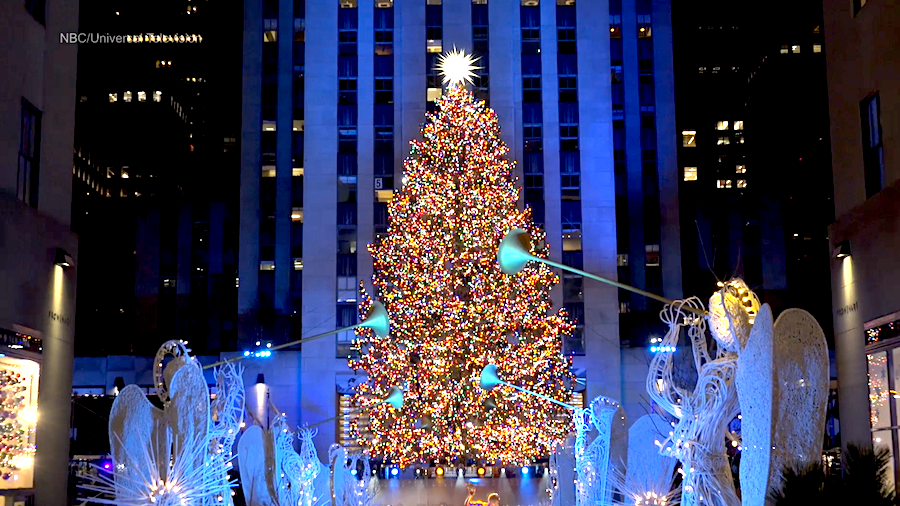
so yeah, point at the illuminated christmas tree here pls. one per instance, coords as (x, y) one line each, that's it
(453, 312)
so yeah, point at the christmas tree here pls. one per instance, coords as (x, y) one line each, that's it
(453, 311)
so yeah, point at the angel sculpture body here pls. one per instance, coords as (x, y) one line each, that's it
(596, 461)
(175, 455)
(698, 437)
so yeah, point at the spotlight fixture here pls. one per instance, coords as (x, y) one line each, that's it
(439, 471)
(480, 471)
(395, 471)
(63, 259)
(842, 249)
(260, 379)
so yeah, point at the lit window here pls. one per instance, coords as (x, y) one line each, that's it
(142, 96)
(795, 49)
(127, 96)
(348, 4)
(433, 94)
(268, 126)
(267, 265)
(124, 175)
(113, 97)
(817, 48)
(738, 125)
(434, 46)
(157, 96)
(297, 214)
(721, 125)
(295, 172)
(784, 49)
(741, 183)
(690, 173)
(740, 169)
(723, 141)
(298, 125)
(817, 29)
(689, 139)
(298, 264)
(723, 183)
(268, 171)
(270, 30)
(644, 32)
(702, 69)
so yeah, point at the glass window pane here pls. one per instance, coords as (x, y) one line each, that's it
(882, 439)
(879, 409)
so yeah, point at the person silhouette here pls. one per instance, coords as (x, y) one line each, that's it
(492, 500)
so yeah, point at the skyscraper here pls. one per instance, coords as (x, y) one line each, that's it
(754, 200)
(155, 176)
(334, 90)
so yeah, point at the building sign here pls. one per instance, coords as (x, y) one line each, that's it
(65, 320)
(841, 311)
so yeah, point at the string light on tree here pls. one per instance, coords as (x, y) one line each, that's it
(453, 311)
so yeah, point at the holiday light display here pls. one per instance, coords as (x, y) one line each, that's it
(878, 389)
(18, 416)
(453, 311)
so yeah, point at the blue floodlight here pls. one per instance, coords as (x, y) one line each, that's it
(353, 472)
(246, 353)
(525, 470)
(395, 471)
(662, 349)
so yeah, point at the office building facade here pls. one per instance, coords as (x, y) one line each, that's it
(38, 250)
(862, 53)
(334, 91)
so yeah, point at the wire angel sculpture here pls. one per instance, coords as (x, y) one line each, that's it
(698, 436)
(649, 479)
(595, 460)
(273, 474)
(562, 472)
(351, 478)
(177, 455)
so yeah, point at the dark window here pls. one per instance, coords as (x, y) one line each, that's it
(532, 126)
(480, 28)
(568, 126)
(347, 31)
(36, 9)
(567, 66)
(347, 131)
(347, 164)
(533, 163)
(384, 31)
(534, 187)
(29, 154)
(433, 21)
(570, 175)
(384, 139)
(873, 147)
(346, 265)
(347, 73)
(531, 30)
(531, 88)
(565, 29)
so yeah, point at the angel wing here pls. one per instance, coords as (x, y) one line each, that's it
(782, 381)
(252, 462)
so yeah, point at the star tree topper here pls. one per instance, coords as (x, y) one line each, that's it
(456, 67)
